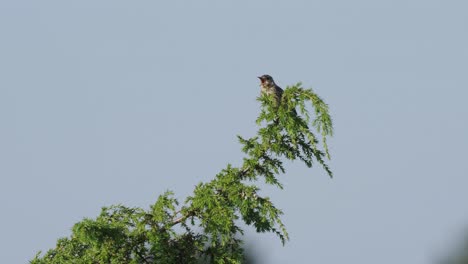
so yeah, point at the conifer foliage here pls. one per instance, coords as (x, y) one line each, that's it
(205, 227)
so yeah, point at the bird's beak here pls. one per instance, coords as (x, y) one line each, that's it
(260, 77)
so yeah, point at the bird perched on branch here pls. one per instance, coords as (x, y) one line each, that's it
(269, 87)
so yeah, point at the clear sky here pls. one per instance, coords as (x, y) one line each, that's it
(106, 102)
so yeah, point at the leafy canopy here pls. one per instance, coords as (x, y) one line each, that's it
(205, 227)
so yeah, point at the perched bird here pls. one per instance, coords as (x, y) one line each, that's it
(269, 87)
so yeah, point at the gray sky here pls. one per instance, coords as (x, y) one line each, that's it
(105, 102)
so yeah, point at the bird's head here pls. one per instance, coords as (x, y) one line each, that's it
(266, 80)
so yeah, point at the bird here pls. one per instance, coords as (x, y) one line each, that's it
(269, 87)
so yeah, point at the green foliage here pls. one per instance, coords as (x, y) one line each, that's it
(205, 228)
(458, 254)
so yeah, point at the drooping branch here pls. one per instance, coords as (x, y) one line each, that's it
(285, 134)
(121, 233)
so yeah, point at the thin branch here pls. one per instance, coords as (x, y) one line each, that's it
(181, 218)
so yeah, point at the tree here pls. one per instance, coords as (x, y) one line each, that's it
(205, 227)
(459, 254)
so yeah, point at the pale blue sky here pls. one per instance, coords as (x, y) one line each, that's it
(105, 102)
